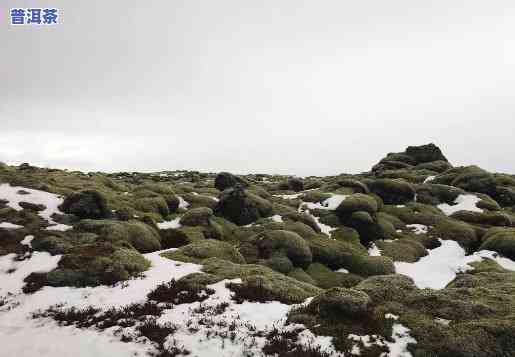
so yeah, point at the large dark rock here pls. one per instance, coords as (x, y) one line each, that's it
(86, 205)
(425, 153)
(242, 207)
(225, 180)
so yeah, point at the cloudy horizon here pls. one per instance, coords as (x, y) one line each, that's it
(286, 87)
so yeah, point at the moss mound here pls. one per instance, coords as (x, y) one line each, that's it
(460, 232)
(288, 243)
(338, 302)
(242, 207)
(86, 204)
(100, 263)
(278, 286)
(325, 278)
(500, 241)
(403, 250)
(357, 202)
(138, 234)
(197, 217)
(394, 192)
(198, 251)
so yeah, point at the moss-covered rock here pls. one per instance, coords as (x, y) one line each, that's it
(501, 241)
(485, 218)
(242, 207)
(425, 153)
(403, 250)
(383, 288)
(198, 251)
(338, 302)
(197, 217)
(415, 213)
(277, 286)
(302, 217)
(289, 243)
(357, 186)
(300, 275)
(225, 180)
(97, 264)
(138, 234)
(325, 278)
(357, 202)
(151, 202)
(315, 196)
(460, 232)
(86, 204)
(394, 192)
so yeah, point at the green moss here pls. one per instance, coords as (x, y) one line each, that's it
(325, 278)
(357, 202)
(97, 264)
(278, 286)
(384, 288)
(150, 202)
(279, 262)
(369, 266)
(300, 275)
(334, 253)
(346, 234)
(416, 213)
(198, 251)
(460, 232)
(199, 201)
(392, 191)
(140, 235)
(315, 196)
(197, 217)
(403, 250)
(501, 241)
(289, 243)
(485, 218)
(337, 302)
(302, 217)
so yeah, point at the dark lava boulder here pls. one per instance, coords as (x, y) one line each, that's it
(393, 192)
(241, 206)
(86, 205)
(425, 153)
(225, 180)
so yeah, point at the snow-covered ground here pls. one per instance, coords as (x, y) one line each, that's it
(466, 202)
(48, 339)
(15, 194)
(397, 347)
(441, 265)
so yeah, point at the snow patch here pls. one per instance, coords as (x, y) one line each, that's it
(8, 225)
(440, 266)
(462, 203)
(174, 223)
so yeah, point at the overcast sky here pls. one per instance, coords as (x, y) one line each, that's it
(294, 87)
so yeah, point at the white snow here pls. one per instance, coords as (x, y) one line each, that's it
(50, 200)
(59, 227)
(289, 197)
(174, 223)
(27, 241)
(440, 266)
(429, 178)
(418, 228)
(12, 271)
(47, 339)
(277, 218)
(182, 202)
(397, 348)
(8, 225)
(374, 251)
(466, 202)
(330, 204)
(342, 270)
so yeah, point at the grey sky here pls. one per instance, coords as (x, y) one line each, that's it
(298, 87)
